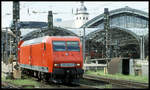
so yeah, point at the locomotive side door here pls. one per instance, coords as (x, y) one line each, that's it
(30, 57)
(44, 63)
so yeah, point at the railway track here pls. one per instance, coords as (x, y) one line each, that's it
(47, 84)
(98, 81)
(69, 85)
(118, 83)
(10, 85)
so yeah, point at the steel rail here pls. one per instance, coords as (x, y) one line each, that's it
(121, 83)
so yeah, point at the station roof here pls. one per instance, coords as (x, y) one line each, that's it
(29, 27)
(137, 31)
(88, 29)
(115, 12)
(56, 30)
(32, 24)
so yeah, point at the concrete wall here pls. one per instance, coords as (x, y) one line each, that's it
(120, 67)
(6, 68)
(131, 71)
(145, 69)
(139, 64)
(114, 66)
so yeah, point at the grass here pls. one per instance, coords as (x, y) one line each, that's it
(21, 82)
(119, 76)
(24, 82)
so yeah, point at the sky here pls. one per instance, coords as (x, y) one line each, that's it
(62, 9)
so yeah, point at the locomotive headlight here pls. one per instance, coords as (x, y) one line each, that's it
(56, 65)
(78, 64)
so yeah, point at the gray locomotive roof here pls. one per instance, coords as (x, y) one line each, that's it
(34, 41)
(42, 39)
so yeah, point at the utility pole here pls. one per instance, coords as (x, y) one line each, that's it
(50, 20)
(6, 46)
(142, 49)
(50, 23)
(15, 30)
(10, 46)
(2, 53)
(84, 44)
(106, 28)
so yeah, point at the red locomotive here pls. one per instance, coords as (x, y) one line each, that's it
(52, 57)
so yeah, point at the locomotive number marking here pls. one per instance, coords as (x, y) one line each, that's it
(67, 65)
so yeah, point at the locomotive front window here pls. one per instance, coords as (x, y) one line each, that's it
(73, 46)
(59, 46)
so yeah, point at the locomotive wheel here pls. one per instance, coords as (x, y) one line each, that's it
(31, 72)
(47, 77)
(27, 71)
(22, 71)
(39, 76)
(42, 76)
(35, 74)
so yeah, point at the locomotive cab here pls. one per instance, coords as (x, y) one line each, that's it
(67, 56)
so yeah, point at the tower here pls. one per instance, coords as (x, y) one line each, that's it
(81, 16)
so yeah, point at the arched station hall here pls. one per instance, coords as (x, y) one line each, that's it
(128, 34)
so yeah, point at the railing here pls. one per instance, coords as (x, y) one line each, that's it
(93, 66)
